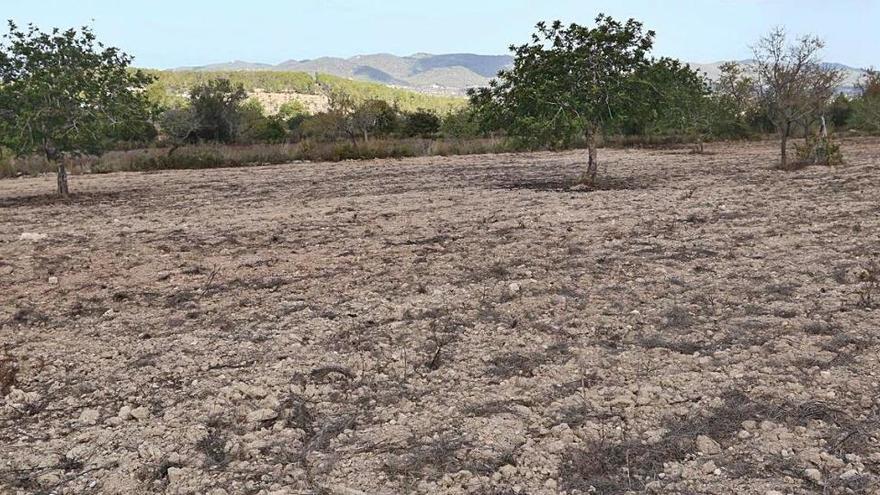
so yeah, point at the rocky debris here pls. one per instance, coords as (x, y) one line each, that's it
(386, 328)
(813, 475)
(89, 416)
(261, 415)
(708, 446)
(32, 236)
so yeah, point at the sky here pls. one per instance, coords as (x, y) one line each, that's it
(166, 34)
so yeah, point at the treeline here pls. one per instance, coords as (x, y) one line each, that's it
(172, 87)
(659, 98)
(221, 111)
(64, 95)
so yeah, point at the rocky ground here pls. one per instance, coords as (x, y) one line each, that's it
(703, 324)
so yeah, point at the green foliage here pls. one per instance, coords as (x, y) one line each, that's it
(664, 97)
(405, 100)
(179, 125)
(374, 117)
(65, 93)
(255, 126)
(421, 122)
(181, 82)
(173, 85)
(819, 151)
(292, 109)
(463, 123)
(839, 111)
(325, 126)
(866, 108)
(568, 81)
(217, 106)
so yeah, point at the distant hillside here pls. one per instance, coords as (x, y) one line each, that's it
(274, 88)
(851, 74)
(448, 74)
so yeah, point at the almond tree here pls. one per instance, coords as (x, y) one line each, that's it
(792, 84)
(567, 82)
(63, 93)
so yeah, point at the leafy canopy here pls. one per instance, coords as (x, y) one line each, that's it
(217, 105)
(64, 92)
(567, 81)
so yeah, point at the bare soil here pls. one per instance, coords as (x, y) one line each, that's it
(700, 324)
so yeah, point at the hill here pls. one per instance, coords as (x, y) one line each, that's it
(274, 88)
(445, 74)
(851, 75)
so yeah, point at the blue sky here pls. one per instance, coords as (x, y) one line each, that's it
(163, 33)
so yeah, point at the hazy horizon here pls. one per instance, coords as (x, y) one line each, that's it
(173, 34)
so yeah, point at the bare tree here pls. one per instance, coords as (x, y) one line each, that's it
(792, 83)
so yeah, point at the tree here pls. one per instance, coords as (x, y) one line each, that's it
(665, 97)
(866, 108)
(217, 105)
(373, 116)
(462, 123)
(64, 93)
(255, 126)
(179, 126)
(567, 82)
(734, 106)
(792, 84)
(840, 111)
(422, 122)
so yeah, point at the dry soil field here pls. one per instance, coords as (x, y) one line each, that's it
(445, 325)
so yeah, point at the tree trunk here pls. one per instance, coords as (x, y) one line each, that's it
(62, 180)
(592, 161)
(783, 148)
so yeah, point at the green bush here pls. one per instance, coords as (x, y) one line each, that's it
(819, 151)
(423, 123)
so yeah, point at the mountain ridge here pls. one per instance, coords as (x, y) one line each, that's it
(447, 74)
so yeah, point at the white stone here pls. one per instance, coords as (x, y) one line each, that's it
(89, 416)
(707, 445)
(140, 413)
(261, 415)
(32, 236)
(813, 475)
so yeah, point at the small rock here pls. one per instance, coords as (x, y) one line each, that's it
(89, 416)
(261, 415)
(53, 280)
(850, 475)
(140, 413)
(175, 474)
(32, 236)
(708, 468)
(813, 475)
(514, 288)
(508, 471)
(49, 479)
(708, 446)
(125, 413)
